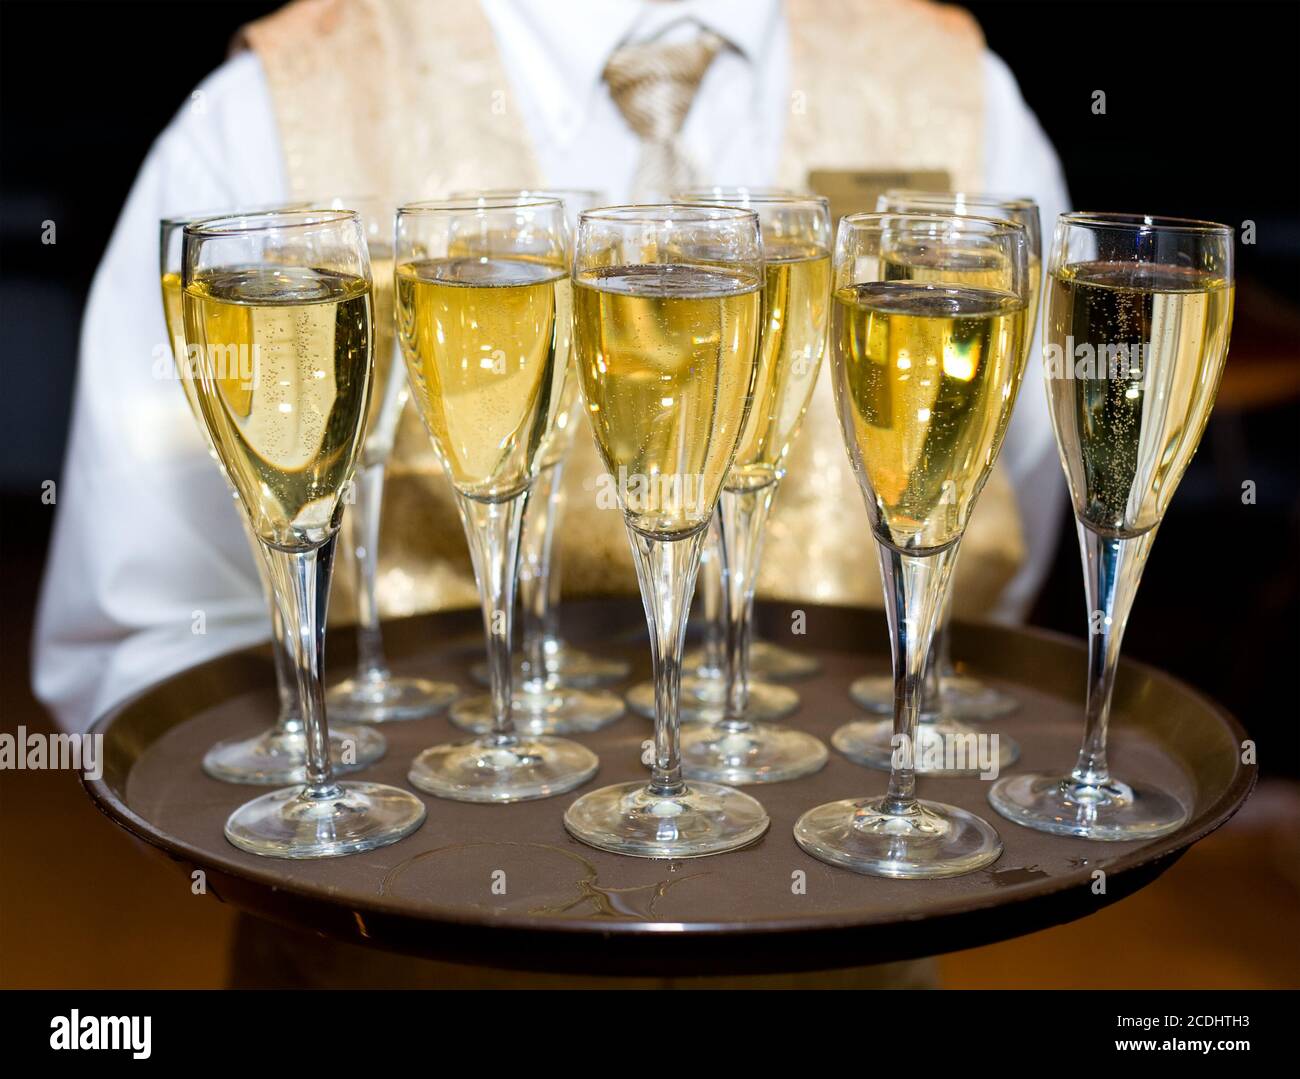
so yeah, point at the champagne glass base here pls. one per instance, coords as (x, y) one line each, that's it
(756, 753)
(969, 698)
(567, 667)
(960, 697)
(542, 709)
(934, 840)
(766, 660)
(700, 819)
(703, 700)
(353, 817)
(944, 742)
(492, 769)
(388, 699)
(1062, 806)
(277, 756)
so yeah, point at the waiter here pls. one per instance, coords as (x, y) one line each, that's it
(410, 99)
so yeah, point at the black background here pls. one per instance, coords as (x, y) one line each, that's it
(1202, 120)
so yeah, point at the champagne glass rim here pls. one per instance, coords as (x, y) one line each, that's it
(1143, 222)
(326, 202)
(880, 219)
(660, 213)
(736, 190)
(978, 198)
(525, 192)
(696, 197)
(176, 220)
(264, 221)
(360, 196)
(471, 203)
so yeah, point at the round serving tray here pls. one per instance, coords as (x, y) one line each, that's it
(504, 885)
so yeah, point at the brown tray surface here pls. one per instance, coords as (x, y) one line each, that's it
(569, 907)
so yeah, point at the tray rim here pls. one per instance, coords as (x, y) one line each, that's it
(1137, 866)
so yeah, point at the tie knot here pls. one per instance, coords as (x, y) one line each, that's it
(653, 85)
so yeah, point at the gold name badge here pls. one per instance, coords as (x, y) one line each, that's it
(851, 192)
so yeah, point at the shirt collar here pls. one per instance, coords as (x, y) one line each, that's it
(574, 49)
(746, 25)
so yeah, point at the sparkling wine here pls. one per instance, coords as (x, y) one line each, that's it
(667, 361)
(1133, 354)
(926, 381)
(796, 295)
(486, 342)
(286, 376)
(390, 388)
(173, 312)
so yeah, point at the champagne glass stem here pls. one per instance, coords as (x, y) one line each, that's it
(302, 583)
(539, 586)
(493, 530)
(361, 535)
(931, 686)
(288, 720)
(941, 653)
(939, 662)
(550, 571)
(915, 589)
(711, 600)
(1112, 569)
(666, 571)
(742, 516)
(286, 677)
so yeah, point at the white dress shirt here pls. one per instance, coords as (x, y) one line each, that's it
(149, 571)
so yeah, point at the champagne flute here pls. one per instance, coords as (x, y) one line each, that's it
(277, 755)
(279, 308)
(374, 694)
(948, 699)
(704, 686)
(484, 318)
(706, 666)
(738, 748)
(1138, 316)
(926, 373)
(552, 675)
(667, 304)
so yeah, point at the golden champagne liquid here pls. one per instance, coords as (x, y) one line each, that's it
(1133, 354)
(796, 307)
(174, 314)
(556, 446)
(390, 389)
(979, 269)
(667, 360)
(926, 377)
(486, 342)
(285, 388)
(1035, 294)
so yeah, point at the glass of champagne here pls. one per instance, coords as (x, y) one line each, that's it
(667, 306)
(374, 694)
(949, 699)
(926, 372)
(552, 677)
(704, 684)
(484, 318)
(738, 747)
(279, 307)
(1136, 328)
(278, 755)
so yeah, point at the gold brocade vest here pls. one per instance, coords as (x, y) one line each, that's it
(408, 99)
